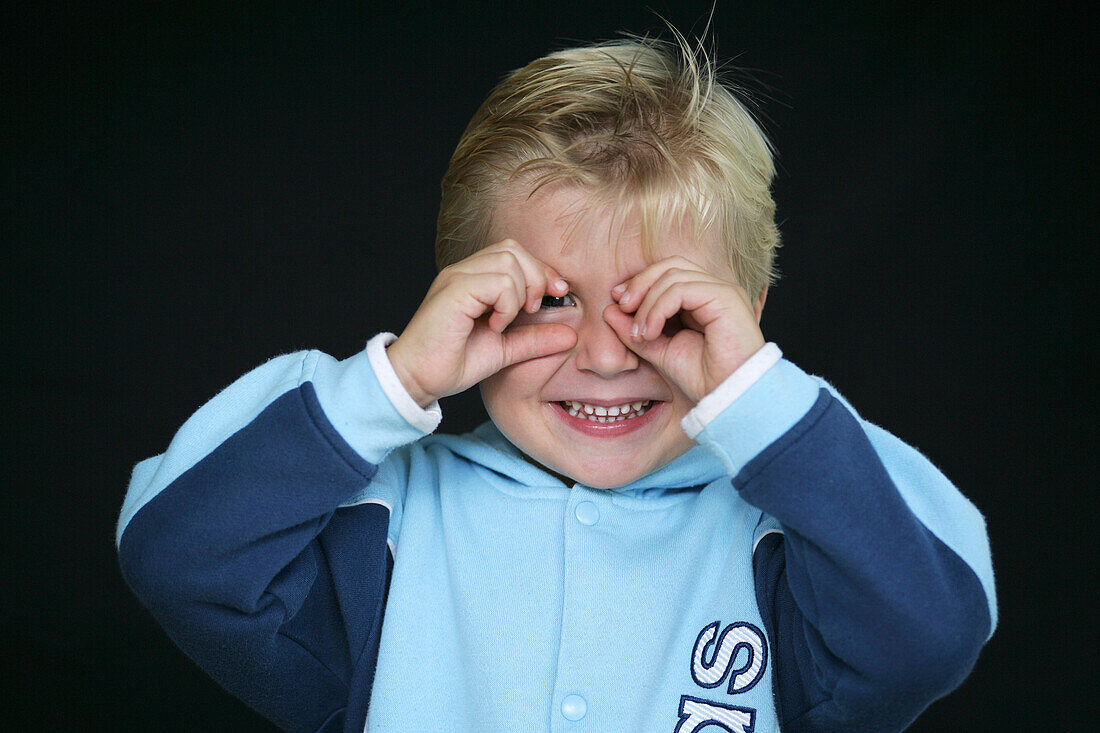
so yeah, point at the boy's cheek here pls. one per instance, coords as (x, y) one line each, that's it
(523, 380)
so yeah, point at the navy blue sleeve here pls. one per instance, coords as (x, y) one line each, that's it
(253, 571)
(871, 616)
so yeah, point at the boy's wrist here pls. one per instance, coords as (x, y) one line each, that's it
(735, 385)
(775, 402)
(425, 418)
(395, 355)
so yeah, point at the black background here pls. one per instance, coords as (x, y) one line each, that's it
(192, 191)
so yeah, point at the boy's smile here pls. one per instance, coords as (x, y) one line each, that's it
(597, 414)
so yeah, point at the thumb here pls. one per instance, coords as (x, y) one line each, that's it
(535, 340)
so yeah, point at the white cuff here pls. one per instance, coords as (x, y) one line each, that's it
(425, 419)
(729, 390)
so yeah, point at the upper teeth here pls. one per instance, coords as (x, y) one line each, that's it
(599, 413)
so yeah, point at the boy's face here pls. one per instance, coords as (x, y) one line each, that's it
(531, 402)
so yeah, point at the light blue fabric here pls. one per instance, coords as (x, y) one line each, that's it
(587, 622)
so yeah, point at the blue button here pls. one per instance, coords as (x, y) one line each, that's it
(587, 513)
(573, 707)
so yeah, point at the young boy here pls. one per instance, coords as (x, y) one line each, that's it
(665, 526)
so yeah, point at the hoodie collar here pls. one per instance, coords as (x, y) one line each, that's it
(487, 446)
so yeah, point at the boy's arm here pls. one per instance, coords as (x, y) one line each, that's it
(876, 585)
(875, 581)
(234, 540)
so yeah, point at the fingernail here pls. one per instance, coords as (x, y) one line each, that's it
(624, 299)
(619, 288)
(561, 285)
(634, 331)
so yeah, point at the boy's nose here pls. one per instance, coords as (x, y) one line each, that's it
(599, 349)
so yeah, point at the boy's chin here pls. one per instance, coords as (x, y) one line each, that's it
(595, 478)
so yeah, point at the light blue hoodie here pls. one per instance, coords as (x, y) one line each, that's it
(307, 543)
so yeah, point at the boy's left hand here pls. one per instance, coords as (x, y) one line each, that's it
(718, 328)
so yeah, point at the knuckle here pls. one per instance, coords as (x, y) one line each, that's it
(670, 299)
(537, 281)
(511, 247)
(667, 276)
(497, 259)
(511, 262)
(499, 281)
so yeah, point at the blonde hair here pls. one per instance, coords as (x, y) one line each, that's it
(640, 124)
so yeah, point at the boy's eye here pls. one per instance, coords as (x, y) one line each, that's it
(555, 301)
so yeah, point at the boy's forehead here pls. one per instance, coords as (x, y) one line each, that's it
(568, 222)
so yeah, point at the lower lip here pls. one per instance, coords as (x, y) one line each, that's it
(607, 429)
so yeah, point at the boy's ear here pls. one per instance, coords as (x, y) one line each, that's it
(758, 306)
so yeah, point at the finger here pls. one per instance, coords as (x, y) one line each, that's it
(653, 351)
(630, 293)
(676, 358)
(670, 279)
(506, 308)
(695, 300)
(509, 257)
(620, 323)
(495, 293)
(536, 340)
(499, 258)
(539, 278)
(542, 279)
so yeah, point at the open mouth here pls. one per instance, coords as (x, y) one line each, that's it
(605, 414)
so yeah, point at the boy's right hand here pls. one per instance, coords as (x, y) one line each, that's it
(457, 336)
